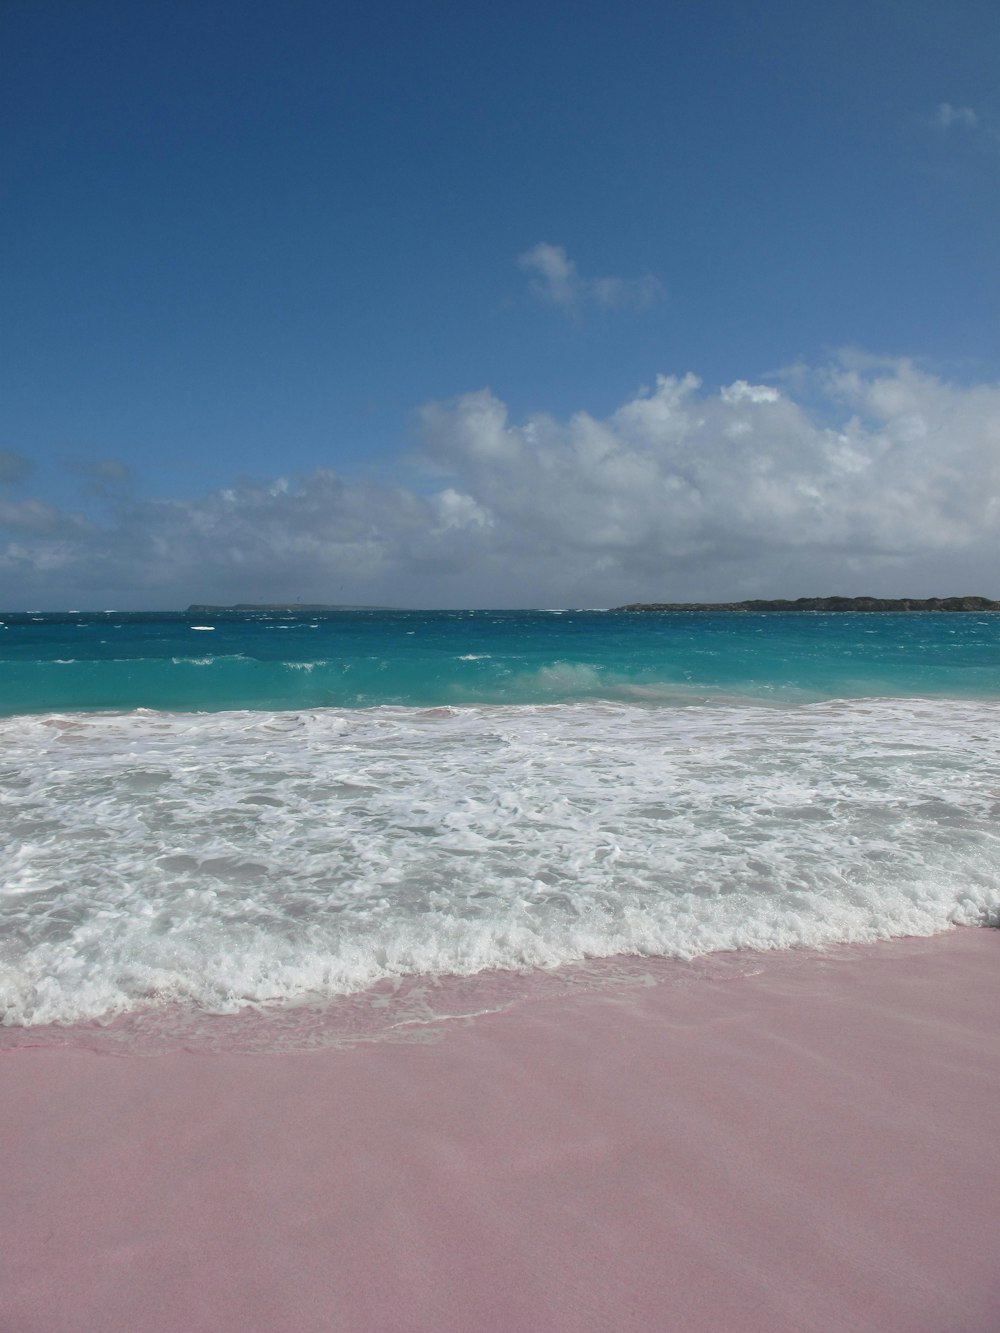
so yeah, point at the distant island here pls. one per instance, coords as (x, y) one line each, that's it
(201, 609)
(827, 604)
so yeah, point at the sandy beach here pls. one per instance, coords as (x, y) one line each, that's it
(810, 1147)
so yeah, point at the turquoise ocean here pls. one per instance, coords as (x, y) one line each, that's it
(271, 812)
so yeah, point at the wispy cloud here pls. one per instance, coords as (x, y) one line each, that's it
(681, 493)
(948, 116)
(102, 477)
(13, 467)
(556, 280)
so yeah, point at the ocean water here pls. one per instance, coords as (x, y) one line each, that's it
(277, 813)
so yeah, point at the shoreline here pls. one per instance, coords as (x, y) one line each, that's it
(808, 1145)
(423, 1009)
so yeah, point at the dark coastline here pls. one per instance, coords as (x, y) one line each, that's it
(828, 604)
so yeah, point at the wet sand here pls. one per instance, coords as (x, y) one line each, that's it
(814, 1147)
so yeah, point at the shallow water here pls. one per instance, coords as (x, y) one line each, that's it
(210, 860)
(360, 659)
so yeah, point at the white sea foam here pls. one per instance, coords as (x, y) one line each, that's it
(248, 857)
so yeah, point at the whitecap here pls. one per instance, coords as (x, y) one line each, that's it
(253, 858)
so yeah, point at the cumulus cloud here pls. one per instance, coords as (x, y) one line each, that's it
(706, 492)
(866, 476)
(556, 280)
(947, 116)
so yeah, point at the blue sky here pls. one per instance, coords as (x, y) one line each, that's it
(261, 263)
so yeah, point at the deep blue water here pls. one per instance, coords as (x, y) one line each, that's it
(349, 659)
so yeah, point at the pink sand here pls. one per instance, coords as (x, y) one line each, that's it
(816, 1147)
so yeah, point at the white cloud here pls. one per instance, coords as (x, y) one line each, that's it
(557, 281)
(947, 115)
(682, 493)
(741, 391)
(456, 510)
